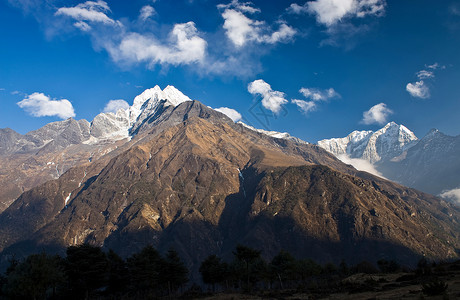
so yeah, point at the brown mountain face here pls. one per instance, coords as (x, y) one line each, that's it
(194, 180)
(27, 161)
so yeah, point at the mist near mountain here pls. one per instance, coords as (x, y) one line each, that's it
(430, 164)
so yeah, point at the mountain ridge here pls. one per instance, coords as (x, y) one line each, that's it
(429, 164)
(194, 180)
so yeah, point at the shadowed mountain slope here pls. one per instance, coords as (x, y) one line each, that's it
(194, 180)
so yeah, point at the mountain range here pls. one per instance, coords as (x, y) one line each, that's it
(430, 164)
(172, 172)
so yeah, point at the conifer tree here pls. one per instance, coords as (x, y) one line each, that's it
(174, 273)
(87, 269)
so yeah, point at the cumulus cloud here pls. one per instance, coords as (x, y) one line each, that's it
(240, 29)
(146, 12)
(114, 105)
(40, 105)
(452, 195)
(271, 100)
(185, 47)
(319, 95)
(231, 113)
(305, 106)
(91, 11)
(360, 164)
(314, 95)
(330, 12)
(377, 114)
(418, 89)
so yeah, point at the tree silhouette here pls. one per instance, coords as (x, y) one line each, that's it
(86, 268)
(144, 270)
(284, 266)
(32, 278)
(118, 273)
(249, 263)
(174, 273)
(213, 271)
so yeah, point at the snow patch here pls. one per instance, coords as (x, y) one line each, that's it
(274, 134)
(68, 198)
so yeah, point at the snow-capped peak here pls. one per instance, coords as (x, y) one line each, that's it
(386, 143)
(174, 96)
(150, 99)
(118, 126)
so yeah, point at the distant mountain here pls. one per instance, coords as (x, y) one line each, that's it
(382, 145)
(188, 177)
(431, 164)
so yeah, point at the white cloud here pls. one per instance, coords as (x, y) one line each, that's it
(92, 11)
(435, 66)
(360, 164)
(146, 12)
(40, 105)
(114, 105)
(452, 195)
(319, 95)
(305, 106)
(2, 89)
(244, 6)
(418, 89)
(297, 9)
(377, 114)
(241, 29)
(83, 26)
(271, 100)
(424, 74)
(231, 113)
(315, 96)
(284, 33)
(330, 12)
(185, 47)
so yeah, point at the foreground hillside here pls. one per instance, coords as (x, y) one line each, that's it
(193, 180)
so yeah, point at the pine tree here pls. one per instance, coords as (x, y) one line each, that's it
(213, 271)
(284, 266)
(87, 269)
(174, 273)
(36, 275)
(118, 273)
(249, 263)
(144, 270)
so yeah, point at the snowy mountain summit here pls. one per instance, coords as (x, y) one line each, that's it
(385, 144)
(122, 124)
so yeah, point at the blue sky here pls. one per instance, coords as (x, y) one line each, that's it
(316, 69)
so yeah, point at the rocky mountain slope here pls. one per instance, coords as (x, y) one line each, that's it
(431, 164)
(44, 154)
(192, 179)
